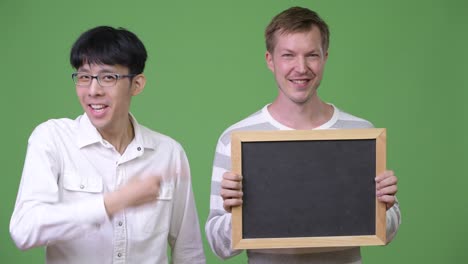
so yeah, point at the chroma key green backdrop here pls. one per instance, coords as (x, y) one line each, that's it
(400, 64)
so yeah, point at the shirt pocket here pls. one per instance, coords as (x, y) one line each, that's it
(155, 217)
(76, 186)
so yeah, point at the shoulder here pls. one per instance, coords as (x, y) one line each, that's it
(256, 121)
(346, 120)
(53, 127)
(156, 139)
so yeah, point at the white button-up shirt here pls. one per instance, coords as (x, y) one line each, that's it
(60, 205)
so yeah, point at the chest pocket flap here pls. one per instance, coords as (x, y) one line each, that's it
(74, 182)
(166, 192)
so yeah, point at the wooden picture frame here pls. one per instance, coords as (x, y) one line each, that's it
(267, 219)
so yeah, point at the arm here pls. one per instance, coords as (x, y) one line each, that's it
(218, 224)
(39, 217)
(386, 188)
(42, 216)
(184, 234)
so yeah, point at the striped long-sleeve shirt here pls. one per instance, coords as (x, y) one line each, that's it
(218, 225)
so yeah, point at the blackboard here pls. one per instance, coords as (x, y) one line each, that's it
(308, 188)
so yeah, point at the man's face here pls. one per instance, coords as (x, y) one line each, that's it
(297, 61)
(107, 107)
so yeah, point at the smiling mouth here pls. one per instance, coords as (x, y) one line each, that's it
(300, 81)
(97, 107)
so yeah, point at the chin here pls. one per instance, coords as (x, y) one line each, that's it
(301, 99)
(98, 124)
(300, 102)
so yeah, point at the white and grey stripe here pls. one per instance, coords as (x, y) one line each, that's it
(218, 225)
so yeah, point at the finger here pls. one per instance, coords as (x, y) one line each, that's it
(229, 203)
(389, 190)
(384, 175)
(232, 185)
(389, 181)
(227, 194)
(147, 199)
(229, 175)
(157, 182)
(153, 179)
(389, 200)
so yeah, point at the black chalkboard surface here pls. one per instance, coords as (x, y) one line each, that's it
(308, 188)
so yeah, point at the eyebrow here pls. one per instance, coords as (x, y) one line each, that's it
(309, 52)
(287, 50)
(102, 70)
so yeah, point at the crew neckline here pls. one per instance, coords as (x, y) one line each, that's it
(279, 125)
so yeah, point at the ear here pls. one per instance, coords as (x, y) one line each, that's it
(269, 61)
(138, 84)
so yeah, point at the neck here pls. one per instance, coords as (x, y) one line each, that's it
(307, 115)
(120, 136)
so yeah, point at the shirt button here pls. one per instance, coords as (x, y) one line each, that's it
(138, 148)
(120, 223)
(81, 186)
(119, 255)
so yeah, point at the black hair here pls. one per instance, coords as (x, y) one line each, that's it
(110, 46)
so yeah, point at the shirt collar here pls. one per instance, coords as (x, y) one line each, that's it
(88, 134)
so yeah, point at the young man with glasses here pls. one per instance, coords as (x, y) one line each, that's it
(103, 188)
(297, 49)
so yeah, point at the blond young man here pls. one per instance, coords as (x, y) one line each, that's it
(297, 42)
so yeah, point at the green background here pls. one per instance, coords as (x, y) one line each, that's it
(400, 64)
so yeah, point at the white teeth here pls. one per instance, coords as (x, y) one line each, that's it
(299, 81)
(97, 107)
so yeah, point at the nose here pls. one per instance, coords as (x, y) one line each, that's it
(301, 66)
(95, 89)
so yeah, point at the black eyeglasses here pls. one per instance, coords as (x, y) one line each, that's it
(104, 79)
